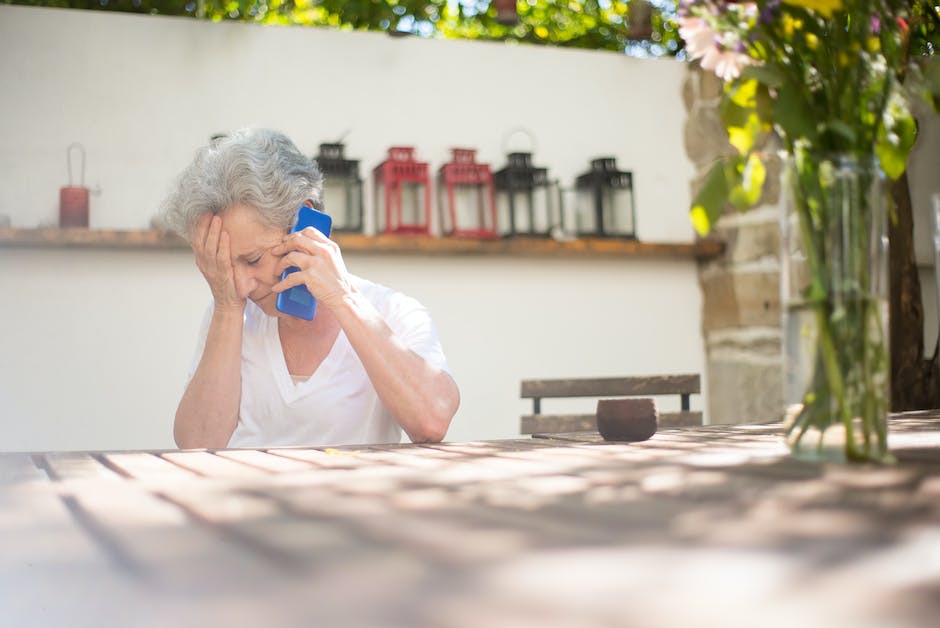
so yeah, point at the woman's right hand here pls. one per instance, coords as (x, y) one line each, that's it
(214, 259)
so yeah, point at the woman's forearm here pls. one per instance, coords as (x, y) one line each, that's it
(422, 398)
(208, 412)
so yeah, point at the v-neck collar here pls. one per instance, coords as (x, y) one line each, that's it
(290, 391)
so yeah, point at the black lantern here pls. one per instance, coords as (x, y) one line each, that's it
(605, 201)
(342, 188)
(527, 202)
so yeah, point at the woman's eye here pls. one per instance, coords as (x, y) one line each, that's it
(254, 261)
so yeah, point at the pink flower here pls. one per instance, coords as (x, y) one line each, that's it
(697, 34)
(726, 64)
(701, 42)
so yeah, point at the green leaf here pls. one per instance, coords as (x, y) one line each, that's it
(793, 116)
(700, 220)
(745, 137)
(765, 108)
(710, 200)
(735, 179)
(743, 93)
(841, 128)
(733, 114)
(765, 74)
(896, 137)
(745, 180)
(740, 116)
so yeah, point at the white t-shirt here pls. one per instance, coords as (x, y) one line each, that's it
(337, 405)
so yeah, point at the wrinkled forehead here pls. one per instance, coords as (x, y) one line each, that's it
(247, 232)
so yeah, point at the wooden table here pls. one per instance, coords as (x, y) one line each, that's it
(712, 526)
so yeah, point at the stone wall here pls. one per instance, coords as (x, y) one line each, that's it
(740, 290)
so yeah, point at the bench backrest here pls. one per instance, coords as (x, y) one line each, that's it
(683, 385)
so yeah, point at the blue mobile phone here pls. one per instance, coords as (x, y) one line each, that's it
(298, 301)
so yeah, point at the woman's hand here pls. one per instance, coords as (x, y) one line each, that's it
(321, 265)
(214, 259)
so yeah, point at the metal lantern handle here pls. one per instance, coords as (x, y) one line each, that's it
(68, 160)
(519, 131)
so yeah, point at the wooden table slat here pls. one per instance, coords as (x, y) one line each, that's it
(210, 465)
(17, 468)
(266, 461)
(77, 466)
(148, 466)
(334, 458)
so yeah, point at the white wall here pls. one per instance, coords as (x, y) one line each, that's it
(93, 344)
(922, 172)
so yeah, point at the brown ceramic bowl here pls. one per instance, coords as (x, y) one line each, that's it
(633, 419)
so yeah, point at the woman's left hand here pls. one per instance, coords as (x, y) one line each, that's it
(321, 265)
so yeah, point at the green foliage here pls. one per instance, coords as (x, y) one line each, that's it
(896, 137)
(737, 180)
(593, 24)
(828, 76)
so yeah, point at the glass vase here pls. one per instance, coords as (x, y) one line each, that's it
(834, 293)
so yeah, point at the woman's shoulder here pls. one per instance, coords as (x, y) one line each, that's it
(370, 289)
(386, 300)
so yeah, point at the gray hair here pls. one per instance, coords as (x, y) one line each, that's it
(259, 168)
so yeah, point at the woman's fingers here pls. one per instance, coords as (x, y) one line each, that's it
(309, 241)
(315, 234)
(294, 258)
(212, 237)
(320, 262)
(224, 254)
(206, 235)
(212, 246)
(293, 279)
(199, 233)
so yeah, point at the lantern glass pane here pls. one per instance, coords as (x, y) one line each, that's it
(618, 211)
(522, 210)
(354, 204)
(380, 208)
(503, 211)
(412, 204)
(336, 202)
(443, 205)
(469, 207)
(487, 213)
(586, 214)
(543, 209)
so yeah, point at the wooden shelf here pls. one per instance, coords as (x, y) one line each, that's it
(89, 238)
(383, 244)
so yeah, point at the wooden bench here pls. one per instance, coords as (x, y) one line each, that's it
(655, 385)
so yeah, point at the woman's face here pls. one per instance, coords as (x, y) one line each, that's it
(254, 266)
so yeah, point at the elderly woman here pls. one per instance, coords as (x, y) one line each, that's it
(367, 366)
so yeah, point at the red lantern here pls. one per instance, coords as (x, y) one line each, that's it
(73, 199)
(506, 12)
(468, 200)
(402, 193)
